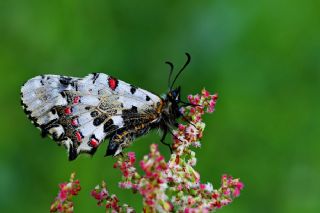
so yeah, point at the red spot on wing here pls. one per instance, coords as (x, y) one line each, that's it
(67, 110)
(74, 122)
(76, 99)
(79, 136)
(94, 143)
(113, 83)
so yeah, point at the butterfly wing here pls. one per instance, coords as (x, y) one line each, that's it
(80, 113)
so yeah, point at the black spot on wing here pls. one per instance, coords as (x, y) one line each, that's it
(76, 86)
(63, 94)
(134, 109)
(65, 80)
(128, 112)
(130, 116)
(99, 120)
(133, 89)
(94, 114)
(41, 81)
(108, 123)
(147, 98)
(109, 127)
(95, 77)
(53, 111)
(46, 127)
(72, 153)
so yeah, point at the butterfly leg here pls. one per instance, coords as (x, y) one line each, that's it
(165, 132)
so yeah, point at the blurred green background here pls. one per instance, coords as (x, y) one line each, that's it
(262, 57)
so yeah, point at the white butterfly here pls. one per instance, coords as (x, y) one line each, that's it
(80, 113)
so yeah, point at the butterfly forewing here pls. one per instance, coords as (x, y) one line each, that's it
(80, 113)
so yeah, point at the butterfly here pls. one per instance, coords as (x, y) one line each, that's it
(80, 113)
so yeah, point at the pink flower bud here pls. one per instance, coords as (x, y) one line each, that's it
(205, 93)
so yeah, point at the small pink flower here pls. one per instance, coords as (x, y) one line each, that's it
(236, 192)
(202, 186)
(205, 93)
(62, 195)
(132, 157)
(239, 185)
(101, 194)
(160, 158)
(181, 127)
(63, 202)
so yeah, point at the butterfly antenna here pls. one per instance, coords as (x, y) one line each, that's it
(170, 72)
(180, 71)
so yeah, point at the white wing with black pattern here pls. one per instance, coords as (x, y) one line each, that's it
(80, 113)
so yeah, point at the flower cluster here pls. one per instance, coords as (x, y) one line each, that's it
(175, 185)
(152, 185)
(101, 194)
(63, 202)
(165, 186)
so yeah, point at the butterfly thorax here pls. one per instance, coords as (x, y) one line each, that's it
(171, 111)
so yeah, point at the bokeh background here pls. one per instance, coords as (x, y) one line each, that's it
(262, 57)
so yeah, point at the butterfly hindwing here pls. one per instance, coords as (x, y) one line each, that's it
(80, 113)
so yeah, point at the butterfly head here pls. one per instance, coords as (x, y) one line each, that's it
(174, 95)
(173, 100)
